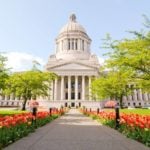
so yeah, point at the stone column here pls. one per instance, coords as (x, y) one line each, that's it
(11, 97)
(129, 98)
(140, 95)
(90, 96)
(78, 44)
(145, 97)
(5, 97)
(135, 95)
(62, 87)
(55, 90)
(66, 44)
(52, 91)
(83, 87)
(76, 87)
(0, 97)
(69, 87)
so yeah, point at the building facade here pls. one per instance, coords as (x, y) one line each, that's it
(74, 64)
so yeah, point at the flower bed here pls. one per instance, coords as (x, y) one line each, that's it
(16, 126)
(134, 126)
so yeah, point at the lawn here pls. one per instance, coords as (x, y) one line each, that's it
(135, 111)
(10, 112)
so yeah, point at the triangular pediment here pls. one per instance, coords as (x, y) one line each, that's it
(72, 66)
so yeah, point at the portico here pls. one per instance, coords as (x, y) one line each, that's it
(72, 88)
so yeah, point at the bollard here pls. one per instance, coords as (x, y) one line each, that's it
(34, 113)
(90, 110)
(97, 110)
(50, 111)
(117, 117)
(86, 110)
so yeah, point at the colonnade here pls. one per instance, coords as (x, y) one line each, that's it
(72, 44)
(66, 83)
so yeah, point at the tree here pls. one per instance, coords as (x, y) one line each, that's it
(112, 84)
(132, 54)
(29, 84)
(3, 73)
(128, 63)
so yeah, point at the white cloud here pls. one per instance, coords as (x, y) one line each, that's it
(20, 61)
(101, 60)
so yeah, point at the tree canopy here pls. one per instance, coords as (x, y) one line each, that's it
(29, 84)
(128, 63)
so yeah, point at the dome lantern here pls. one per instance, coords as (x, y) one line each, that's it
(73, 17)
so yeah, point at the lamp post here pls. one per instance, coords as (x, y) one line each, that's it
(117, 119)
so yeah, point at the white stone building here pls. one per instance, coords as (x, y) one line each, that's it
(74, 64)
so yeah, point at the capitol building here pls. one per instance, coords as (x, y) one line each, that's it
(74, 64)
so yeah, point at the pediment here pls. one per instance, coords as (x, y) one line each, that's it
(72, 66)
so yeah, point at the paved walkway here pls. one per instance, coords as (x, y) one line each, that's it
(74, 131)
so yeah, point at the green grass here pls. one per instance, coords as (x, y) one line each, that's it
(135, 111)
(10, 112)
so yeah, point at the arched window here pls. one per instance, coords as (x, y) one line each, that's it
(83, 45)
(68, 44)
(72, 44)
(76, 44)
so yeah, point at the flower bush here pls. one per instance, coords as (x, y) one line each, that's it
(14, 127)
(134, 126)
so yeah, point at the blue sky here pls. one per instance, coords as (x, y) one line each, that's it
(28, 28)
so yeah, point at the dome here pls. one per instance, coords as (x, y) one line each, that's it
(72, 41)
(72, 25)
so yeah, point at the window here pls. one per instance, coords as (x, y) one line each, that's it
(83, 45)
(76, 45)
(68, 44)
(72, 85)
(66, 95)
(72, 44)
(79, 96)
(66, 86)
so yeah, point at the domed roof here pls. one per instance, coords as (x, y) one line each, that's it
(72, 25)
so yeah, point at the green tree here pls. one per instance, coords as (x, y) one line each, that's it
(132, 54)
(29, 84)
(112, 84)
(3, 73)
(128, 63)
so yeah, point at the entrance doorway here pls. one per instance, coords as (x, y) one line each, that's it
(66, 105)
(79, 104)
(72, 104)
(72, 95)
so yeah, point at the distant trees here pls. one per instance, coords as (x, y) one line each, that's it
(128, 63)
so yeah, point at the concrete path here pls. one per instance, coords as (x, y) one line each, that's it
(74, 131)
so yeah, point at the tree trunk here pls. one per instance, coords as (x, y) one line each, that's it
(24, 104)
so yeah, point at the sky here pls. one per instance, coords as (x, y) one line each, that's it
(28, 28)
